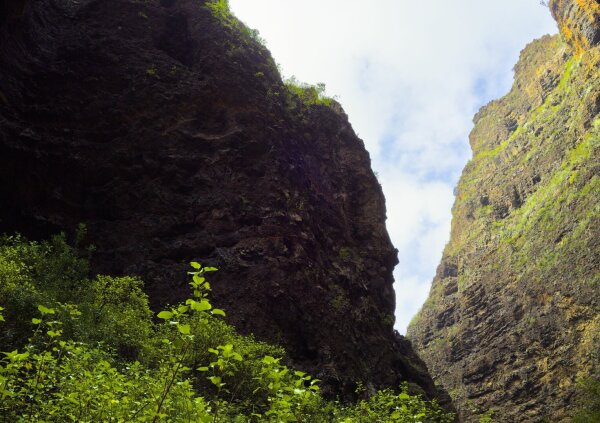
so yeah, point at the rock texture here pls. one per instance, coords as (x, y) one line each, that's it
(513, 317)
(579, 22)
(166, 129)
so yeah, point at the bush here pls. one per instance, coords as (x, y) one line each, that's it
(307, 93)
(116, 312)
(86, 349)
(389, 406)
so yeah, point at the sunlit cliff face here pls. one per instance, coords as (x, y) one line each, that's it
(578, 21)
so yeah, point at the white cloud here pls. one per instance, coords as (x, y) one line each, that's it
(418, 221)
(410, 75)
(410, 295)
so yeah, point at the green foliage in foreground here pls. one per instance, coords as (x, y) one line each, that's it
(81, 349)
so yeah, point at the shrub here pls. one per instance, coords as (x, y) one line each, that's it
(389, 406)
(116, 312)
(307, 93)
(86, 349)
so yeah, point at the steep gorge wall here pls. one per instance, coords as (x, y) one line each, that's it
(513, 317)
(165, 128)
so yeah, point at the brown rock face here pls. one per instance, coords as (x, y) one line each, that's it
(578, 21)
(512, 321)
(167, 130)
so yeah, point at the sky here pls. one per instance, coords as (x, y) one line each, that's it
(410, 75)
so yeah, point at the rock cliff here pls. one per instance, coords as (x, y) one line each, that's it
(579, 22)
(164, 126)
(512, 321)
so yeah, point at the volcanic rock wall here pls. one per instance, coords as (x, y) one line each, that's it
(512, 321)
(579, 22)
(166, 129)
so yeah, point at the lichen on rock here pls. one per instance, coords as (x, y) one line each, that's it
(578, 21)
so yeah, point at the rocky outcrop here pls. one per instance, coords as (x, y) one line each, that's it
(166, 129)
(512, 321)
(579, 22)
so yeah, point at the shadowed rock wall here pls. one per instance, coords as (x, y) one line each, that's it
(166, 129)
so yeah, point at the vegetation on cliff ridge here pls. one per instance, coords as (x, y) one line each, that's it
(295, 90)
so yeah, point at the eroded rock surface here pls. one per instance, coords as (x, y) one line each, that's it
(579, 22)
(513, 317)
(166, 129)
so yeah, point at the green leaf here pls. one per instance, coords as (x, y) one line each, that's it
(202, 369)
(267, 359)
(165, 315)
(196, 265)
(36, 321)
(210, 269)
(216, 380)
(45, 310)
(218, 311)
(16, 356)
(184, 329)
(202, 305)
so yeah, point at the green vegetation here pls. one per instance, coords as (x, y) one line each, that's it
(414, 321)
(307, 93)
(151, 71)
(88, 349)
(528, 143)
(296, 93)
(221, 11)
(590, 401)
(572, 187)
